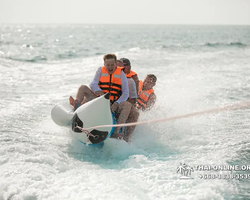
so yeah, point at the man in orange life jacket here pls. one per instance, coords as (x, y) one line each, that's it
(146, 96)
(131, 84)
(128, 72)
(112, 79)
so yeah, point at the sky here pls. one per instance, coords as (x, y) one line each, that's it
(126, 12)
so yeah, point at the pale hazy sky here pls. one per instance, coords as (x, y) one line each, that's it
(126, 11)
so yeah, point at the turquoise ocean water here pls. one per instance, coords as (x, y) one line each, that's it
(198, 68)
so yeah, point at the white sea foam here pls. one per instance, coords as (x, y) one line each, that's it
(40, 160)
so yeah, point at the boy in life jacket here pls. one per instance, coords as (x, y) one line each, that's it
(146, 96)
(110, 79)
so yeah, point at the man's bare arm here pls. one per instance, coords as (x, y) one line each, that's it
(151, 101)
(136, 80)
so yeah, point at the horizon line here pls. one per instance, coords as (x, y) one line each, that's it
(72, 23)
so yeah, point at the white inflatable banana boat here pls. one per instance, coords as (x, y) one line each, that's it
(93, 113)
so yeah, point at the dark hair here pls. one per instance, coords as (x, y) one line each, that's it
(153, 77)
(125, 61)
(109, 56)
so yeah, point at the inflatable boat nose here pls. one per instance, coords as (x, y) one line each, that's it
(93, 113)
(76, 122)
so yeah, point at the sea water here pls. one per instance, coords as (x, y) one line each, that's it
(198, 68)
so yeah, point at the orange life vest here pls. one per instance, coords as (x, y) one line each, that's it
(143, 96)
(111, 83)
(130, 74)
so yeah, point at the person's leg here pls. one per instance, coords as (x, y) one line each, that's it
(74, 102)
(133, 117)
(84, 94)
(124, 110)
(71, 100)
(85, 100)
(85, 91)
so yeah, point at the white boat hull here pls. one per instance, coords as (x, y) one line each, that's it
(93, 113)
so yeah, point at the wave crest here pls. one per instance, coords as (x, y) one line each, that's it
(219, 44)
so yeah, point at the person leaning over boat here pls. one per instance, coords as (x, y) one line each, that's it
(146, 96)
(112, 79)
